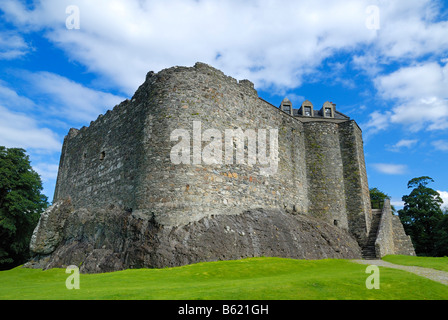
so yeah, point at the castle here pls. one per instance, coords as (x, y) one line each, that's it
(129, 164)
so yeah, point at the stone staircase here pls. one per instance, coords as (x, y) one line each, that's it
(369, 251)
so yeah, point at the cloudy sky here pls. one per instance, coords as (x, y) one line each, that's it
(384, 64)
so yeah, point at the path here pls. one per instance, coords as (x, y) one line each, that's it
(436, 275)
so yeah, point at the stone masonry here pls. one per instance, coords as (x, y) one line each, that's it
(391, 238)
(124, 156)
(123, 161)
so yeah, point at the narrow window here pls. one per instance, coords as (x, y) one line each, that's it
(287, 108)
(328, 112)
(102, 155)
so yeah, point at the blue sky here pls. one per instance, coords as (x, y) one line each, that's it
(384, 64)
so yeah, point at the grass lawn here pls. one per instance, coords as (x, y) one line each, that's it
(426, 262)
(249, 279)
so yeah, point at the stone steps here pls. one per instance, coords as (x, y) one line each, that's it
(369, 251)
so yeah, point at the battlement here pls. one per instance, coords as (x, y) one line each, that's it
(123, 157)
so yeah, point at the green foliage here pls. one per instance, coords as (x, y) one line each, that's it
(419, 182)
(246, 279)
(377, 198)
(422, 215)
(441, 237)
(21, 203)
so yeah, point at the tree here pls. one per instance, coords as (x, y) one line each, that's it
(441, 236)
(421, 215)
(377, 198)
(21, 203)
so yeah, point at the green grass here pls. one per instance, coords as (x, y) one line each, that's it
(426, 262)
(251, 279)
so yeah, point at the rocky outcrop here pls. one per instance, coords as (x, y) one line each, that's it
(112, 238)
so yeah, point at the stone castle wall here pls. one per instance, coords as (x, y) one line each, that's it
(391, 238)
(325, 172)
(124, 156)
(190, 191)
(99, 164)
(357, 193)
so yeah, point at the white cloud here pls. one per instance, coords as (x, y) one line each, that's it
(420, 95)
(387, 168)
(398, 204)
(17, 130)
(12, 46)
(47, 171)
(441, 145)
(69, 100)
(403, 144)
(11, 99)
(410, 29)
(419, 81)
(377, 122)
(54, 99)
(273, 43)
(276, 44)
(368, 63)
(444, 196)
